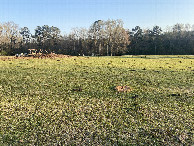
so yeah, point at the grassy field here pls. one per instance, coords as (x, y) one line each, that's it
(72, 101)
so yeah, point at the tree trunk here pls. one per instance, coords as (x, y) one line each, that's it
(155, 48)
(107, 49)
(99, 49)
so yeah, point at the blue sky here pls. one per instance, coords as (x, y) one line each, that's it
(67, 14)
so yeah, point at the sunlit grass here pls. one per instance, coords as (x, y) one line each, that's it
(73, 101)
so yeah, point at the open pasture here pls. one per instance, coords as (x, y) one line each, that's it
(73, 101)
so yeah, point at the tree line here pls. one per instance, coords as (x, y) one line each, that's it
(101, 38)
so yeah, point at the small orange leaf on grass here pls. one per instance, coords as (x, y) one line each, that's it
(123, 88)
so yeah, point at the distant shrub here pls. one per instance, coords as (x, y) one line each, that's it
(3, 53)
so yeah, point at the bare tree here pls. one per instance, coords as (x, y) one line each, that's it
(10, 37)
(116, 36)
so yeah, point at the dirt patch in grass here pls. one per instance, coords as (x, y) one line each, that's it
(42, 56)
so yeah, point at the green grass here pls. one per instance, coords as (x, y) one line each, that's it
(72, 101)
